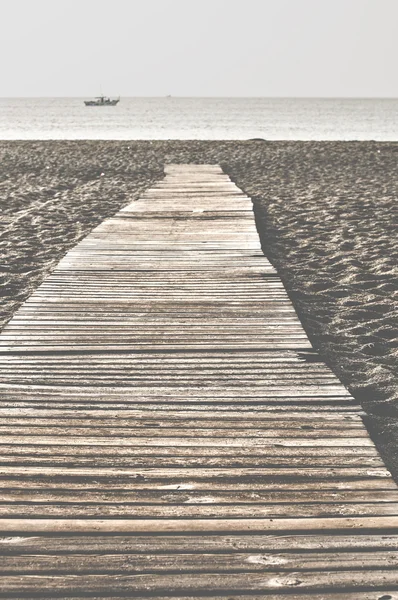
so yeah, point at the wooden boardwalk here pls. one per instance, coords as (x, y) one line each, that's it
(167, 429)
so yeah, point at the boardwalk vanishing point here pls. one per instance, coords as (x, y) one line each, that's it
(167, 430)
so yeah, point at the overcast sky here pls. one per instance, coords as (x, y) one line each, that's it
(322, 48)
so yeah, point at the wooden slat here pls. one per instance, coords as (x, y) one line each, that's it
(200, 511)
(193, 497)
(209, 526)
(189, 563)
(182, 544)
(68, 481)
(386, 594)
(277, 581)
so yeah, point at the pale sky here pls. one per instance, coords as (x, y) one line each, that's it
(321, 48)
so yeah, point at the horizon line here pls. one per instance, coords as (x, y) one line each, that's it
(171, 96)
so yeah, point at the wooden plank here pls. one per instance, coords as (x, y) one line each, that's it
(127, 432)
(194, 497)
(333, 407)
(277, 581)
(192, 563)
(200, 473)
(199, 511)
(170, 461)
(253, 444)
(255, 427)
(260, 415)
(94, 483)
(180, 544)
(209, 526)
(267, 454)
(386, 594)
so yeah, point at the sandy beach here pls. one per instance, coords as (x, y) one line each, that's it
(325, 214)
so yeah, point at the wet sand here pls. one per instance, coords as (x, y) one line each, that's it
(325, 212)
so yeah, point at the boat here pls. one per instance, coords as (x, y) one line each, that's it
(102, 101)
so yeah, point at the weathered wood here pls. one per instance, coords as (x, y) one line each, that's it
(183, 496)
(199, 511)
(256, 426)
(163, 432)
(154, 407)
(262, 416)
(248, 525)
(192, 563)
(195, 442)
(330, 455)
(201, 473)
(167, 430)
(180, 544)
(386, 594)
(229, 393)
(139, 483)
(36, 458)
(276, 581)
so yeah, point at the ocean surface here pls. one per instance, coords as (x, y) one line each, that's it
(200, 118)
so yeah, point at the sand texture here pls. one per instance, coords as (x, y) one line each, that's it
(326, 212)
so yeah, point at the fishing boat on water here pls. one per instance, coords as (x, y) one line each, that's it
(102, 101)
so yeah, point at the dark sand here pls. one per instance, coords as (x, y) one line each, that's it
(325, 212)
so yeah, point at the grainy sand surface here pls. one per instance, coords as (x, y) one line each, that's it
(325, 212)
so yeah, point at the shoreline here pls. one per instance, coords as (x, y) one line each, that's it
(324, 211)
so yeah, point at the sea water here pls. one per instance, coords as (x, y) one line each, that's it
(200, 118)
